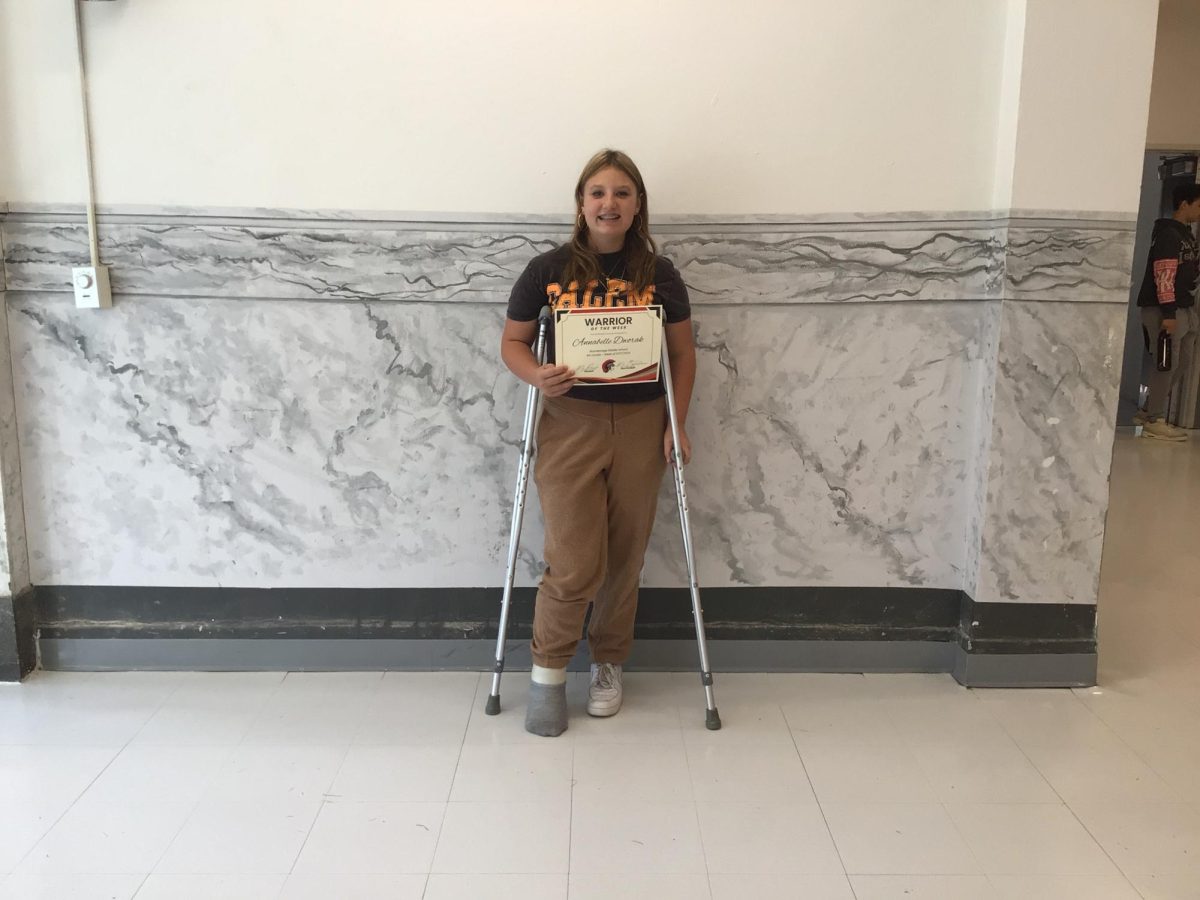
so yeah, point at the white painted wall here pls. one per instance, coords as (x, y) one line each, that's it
(1009, 105)
(1175, 96)
(1085, 91)
(770, 106)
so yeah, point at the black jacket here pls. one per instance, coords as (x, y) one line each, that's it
(1170, 279)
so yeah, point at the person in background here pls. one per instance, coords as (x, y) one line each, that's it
(1168, 302)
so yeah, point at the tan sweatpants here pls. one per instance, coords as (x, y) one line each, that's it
(598, 471)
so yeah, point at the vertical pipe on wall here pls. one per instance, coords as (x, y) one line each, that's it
(87, 137)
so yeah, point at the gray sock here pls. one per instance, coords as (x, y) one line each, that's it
(546, 712)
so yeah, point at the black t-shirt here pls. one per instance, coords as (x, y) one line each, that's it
(541, 285)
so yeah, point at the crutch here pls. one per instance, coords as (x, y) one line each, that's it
(712, 719)
(533, 402)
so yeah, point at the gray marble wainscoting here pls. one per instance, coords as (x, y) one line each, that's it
(314, 399)
(270, 444)
(1052, 433)
(17, 654)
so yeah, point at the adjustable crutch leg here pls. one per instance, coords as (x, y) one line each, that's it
(532, 404)
(712, 719)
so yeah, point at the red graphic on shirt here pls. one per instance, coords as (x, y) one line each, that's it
(1164, 279)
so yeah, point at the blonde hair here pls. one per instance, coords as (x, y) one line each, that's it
(583, 264)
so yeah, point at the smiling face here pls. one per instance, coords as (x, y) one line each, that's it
(609, 203)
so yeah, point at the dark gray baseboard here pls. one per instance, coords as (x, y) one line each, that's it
(750, 629)
(739, 613)
(217, 654)
(18, 642)
(220, 655)
(1025, 670)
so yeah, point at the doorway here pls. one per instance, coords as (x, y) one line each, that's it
(1162, 171)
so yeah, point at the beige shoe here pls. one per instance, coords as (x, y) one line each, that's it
(604, 693)
(1162, 430)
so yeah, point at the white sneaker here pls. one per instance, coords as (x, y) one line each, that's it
(604, 693)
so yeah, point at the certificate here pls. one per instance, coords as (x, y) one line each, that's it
(618, 345)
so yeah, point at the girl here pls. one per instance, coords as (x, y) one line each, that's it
(601, 450)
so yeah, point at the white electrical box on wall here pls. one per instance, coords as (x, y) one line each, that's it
(91, 287)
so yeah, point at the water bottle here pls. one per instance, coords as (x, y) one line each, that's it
(1164, 351)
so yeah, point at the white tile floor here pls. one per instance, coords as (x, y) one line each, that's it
(369, 785)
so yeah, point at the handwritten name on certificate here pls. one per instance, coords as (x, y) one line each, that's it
(622, 345)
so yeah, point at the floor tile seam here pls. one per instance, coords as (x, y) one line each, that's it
(915, 758)
(1141, 758)
(944, 795)
(344, 751)
(821, 808)
(850, 876)
(808, 799)
(976, 702)
(1120, 744)
(933, 801)
(250, 720)
(1038, 769)
(450, 789)
(115, 753)
(991, 879)
(253, 715)
(270, 695)
(687, 761)
(257, 717)
(1181, 715)
(142, 884)
(326, 791)
(945, 807)
(1167, 783)
(931, 793)
(157, 709)
(375, 690)
(571, 817)
(1120, 739)
(72, 804)
(366, 694)
(1096, 840)
(1128, 694)
(307, 835)
(832, 738)
(972, 743)
(257, 801)
(145, 875)
(203, 788)
(171, 843)
(282, 887)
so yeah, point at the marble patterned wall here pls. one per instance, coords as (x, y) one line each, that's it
(285, 399)
(1059, 369)
(14, 558)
